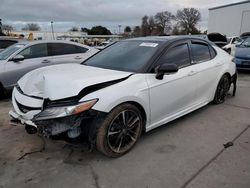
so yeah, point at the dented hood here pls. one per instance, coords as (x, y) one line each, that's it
(63, 81)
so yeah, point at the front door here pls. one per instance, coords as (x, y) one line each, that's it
(175, 93)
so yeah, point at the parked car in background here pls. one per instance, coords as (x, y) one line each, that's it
(242, 55)
(5, 42)
(20, 58)
(245, 35)
(232, 41)
(218, 39)
(129, 87)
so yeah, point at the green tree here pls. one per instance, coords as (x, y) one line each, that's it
(188, 19)
(84, 29)
(127, 29)
(99, 30)
(74, 29)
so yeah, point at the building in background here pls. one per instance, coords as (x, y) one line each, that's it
(231, 20)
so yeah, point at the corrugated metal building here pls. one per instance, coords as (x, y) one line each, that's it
(231, 20)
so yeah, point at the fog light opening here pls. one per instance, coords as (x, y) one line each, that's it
(30, 129)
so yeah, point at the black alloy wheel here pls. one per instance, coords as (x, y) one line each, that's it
(222, 90)
(120, 131)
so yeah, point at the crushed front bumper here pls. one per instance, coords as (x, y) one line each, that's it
(25, 109)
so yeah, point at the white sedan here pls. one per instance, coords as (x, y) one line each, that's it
(130, 87)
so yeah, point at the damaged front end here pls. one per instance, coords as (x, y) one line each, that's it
(49, 118)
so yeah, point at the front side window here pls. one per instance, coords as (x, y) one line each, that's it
(178, 55)
(245, 43)
(35, 51)
(200, 52)
(130, 56)
(5, 54)
(65, 49)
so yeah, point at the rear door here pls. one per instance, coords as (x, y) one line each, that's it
(66, 53)
(207, 67)
(35, 56)
(175, 93)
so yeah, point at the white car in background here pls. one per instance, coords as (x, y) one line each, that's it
(230, 47)
(129, 87)
(22, 57)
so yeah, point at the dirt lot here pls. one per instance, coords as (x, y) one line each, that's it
(188, 152)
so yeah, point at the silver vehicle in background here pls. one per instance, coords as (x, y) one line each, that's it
(22, 57)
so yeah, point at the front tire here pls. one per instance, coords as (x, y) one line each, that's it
(120, 130)
(222, 90)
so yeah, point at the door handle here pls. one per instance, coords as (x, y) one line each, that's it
(191, 73)
(78, 57)
(46, 61)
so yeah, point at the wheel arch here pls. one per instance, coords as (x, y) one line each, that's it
(140, 108)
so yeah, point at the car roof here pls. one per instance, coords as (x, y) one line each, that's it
(11, 38)
(50, 41)
(168, 38)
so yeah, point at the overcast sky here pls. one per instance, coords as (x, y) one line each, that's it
(87, 13)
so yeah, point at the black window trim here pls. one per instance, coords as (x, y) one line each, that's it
(197, 41)
(34, 45)
(169, 47)
(49, 48)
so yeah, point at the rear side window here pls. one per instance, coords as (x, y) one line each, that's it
(64, 49)
(178, 55)
(35, 51)
(212, 52)
(6, 43)
(200, 52)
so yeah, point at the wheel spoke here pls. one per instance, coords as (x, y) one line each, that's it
(124, 117)
(118, 149)
(114, 132)
(134, 121)
(132, 138)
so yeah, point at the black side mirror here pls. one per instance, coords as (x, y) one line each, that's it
(17, 58)
(165, 69)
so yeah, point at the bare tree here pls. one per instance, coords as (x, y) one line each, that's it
(145, 29)
(31, 27)
(188, 19)
(7, 28)
(164, 21)
(136, 31)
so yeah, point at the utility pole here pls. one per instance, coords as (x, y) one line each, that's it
(119, 26)
(52, 29)
(1, 31)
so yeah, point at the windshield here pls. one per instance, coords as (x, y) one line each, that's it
(245, 43)
(5, 54)
(129, 56)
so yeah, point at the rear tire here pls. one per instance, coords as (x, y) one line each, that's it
(120, 130)
(222, 90)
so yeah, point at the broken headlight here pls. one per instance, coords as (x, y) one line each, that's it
(63, 111)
